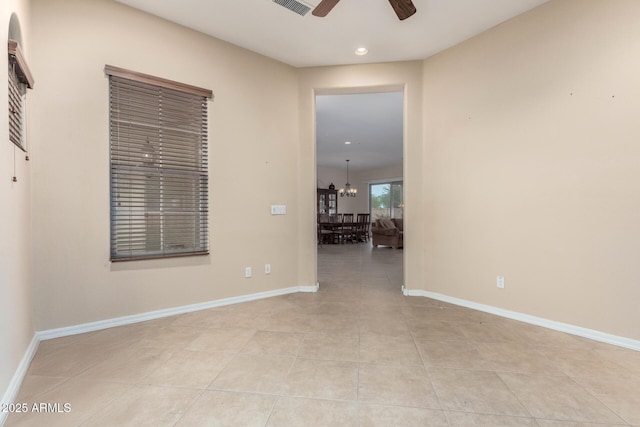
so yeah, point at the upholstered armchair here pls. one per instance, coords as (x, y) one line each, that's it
(387, 232)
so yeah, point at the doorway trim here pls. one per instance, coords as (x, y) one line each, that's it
(355, 91)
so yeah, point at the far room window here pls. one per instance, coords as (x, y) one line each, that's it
(159, 167)
(386, 200)
(19, 80)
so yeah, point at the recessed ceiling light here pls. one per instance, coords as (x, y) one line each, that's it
(347, 142)
(362, 51)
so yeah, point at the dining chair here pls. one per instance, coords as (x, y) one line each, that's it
(327, 232)
(347, 231)
(362, 227)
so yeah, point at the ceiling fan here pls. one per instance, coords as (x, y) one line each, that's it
(403, 8)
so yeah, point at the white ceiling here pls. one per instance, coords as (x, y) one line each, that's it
(302, 41)
(373, 122)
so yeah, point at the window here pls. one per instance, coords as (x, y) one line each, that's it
(159, 167)
(386, 200)
(19, 80)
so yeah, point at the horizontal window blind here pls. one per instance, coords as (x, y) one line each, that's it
(16, 107)
(159, 171)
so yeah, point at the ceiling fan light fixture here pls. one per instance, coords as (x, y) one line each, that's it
(403, 8)
(361, 51)
(324, 7)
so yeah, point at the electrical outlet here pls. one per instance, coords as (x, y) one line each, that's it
(500, 282)
(267, 269)
(247, 272)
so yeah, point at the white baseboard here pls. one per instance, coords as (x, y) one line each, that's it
(142, 317)
(313, 288)
(538, 321)
(16, 382)
(14, 386)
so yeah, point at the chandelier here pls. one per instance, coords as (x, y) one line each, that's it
(347, 190)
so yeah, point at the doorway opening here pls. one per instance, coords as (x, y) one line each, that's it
(359, 146)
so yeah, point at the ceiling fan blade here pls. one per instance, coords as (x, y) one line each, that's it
(324, 7)
(403, 8)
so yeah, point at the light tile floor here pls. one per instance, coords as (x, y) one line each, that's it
(357, 353)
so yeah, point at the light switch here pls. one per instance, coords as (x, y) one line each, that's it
(278, 209)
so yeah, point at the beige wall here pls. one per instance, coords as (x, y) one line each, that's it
(521, 159)
(531, 166)
(16, 330)
(386, 173)
(253, 133)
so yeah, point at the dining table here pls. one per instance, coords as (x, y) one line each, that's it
(334, 231)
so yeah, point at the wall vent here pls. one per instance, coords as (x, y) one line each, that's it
(295, 6)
